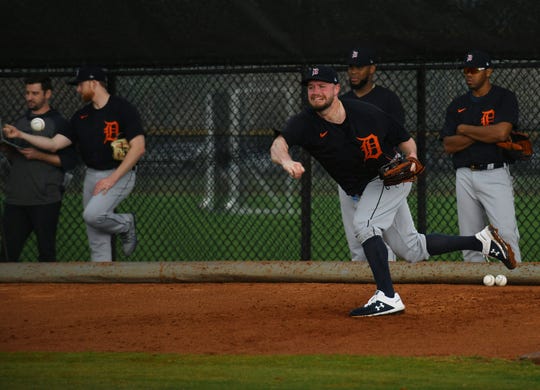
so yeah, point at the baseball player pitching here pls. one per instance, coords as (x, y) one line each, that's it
(352, 140)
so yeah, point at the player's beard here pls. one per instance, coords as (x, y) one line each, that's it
(360, 85)
(322, 106)
(87, 95)
(35, 105)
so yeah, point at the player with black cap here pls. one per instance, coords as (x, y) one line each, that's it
(361, 70)
(474, 123)
(352, 140)
(362, 66)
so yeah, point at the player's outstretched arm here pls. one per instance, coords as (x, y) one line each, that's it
(50, 144)
(279, 152)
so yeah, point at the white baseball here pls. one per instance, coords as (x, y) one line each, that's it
(500, 280)
(489, 280)
(37, 124)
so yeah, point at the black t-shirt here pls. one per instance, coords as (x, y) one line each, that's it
(353, 151)
(498, 105)
(35, 182)
(93, 130)
(383, 98)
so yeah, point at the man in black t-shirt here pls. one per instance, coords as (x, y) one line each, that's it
(35, 184)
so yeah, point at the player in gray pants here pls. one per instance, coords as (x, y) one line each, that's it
(474, 123)
(352, 140)
(362, 65)
(101, 220)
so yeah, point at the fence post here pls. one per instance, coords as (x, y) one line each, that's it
(111, 88)
(421, 144)
(305, 196)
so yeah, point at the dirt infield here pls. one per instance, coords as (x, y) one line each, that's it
(269, 318)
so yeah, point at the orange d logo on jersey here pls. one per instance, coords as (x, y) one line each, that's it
(111, 131)
(487, 117)
(370, 146)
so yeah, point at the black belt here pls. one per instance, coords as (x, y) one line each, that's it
(486, 166)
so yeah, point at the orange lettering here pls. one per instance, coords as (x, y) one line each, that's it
(111, 131)
(370, 146)
(487, 117)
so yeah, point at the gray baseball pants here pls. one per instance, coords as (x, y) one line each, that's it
(484, 196)
(101, 220)
(384, 211)
(348, 206)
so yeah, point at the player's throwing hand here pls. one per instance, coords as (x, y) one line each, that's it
(295, 169)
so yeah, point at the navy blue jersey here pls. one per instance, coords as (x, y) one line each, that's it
(353, 151)
(383, 98)
(498, 105)
(93, 130)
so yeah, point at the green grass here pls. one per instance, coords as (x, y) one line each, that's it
(173, 227)
(172, 371)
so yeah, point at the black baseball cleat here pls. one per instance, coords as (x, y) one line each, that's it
(494, 246)
(129, 238)
(379, 305)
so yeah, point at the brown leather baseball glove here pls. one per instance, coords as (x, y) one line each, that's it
(400, 170)
(517, 147)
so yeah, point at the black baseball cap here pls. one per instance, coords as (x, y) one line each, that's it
(362, 56)
(88, 72)
(476, 59)
(320, 73)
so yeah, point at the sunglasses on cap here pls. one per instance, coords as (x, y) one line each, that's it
(472, 70)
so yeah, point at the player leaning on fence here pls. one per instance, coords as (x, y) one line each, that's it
(110, 138)
(352, 140)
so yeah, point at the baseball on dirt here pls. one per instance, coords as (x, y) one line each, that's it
(37, 124)
(489, 280)
(500, 280)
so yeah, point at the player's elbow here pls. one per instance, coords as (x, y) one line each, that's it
(139, 151)
(448, 150)
(138, 146)
(502, 131)
(502, 137)
(273, 156)
(142, 151)
(53, 148)
(278, 149)
(447, 147)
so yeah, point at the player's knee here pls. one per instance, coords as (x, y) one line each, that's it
(415, 257)
(92, 219)
(364, 234)
(414, 252)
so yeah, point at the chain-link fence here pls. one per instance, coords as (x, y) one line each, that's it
(207, 190)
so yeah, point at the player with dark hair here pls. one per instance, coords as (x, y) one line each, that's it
(110, 138)
(352, 140)
(475, 123)
(35, 184)
(362, 66)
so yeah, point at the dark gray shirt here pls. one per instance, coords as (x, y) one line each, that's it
(34, 182)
